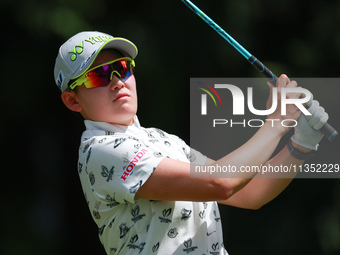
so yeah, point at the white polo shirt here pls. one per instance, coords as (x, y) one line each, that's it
(114, 162)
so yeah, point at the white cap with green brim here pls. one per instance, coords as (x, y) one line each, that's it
(77, 54)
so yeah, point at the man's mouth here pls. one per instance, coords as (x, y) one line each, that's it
(121, 96)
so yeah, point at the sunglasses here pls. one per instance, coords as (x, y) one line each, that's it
(101, 76)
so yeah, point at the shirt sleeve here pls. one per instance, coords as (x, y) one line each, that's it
(194, 156)
(119, 166)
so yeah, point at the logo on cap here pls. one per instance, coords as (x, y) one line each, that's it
(78, 49)
(60, 79)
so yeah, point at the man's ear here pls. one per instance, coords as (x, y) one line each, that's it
(69, 99)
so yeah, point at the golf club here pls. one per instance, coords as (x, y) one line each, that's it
(327, 129)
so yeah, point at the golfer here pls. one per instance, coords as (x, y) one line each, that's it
(136, 180)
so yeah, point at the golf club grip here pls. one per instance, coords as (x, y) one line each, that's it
(326, 129)
(329, 132)
(263, 69)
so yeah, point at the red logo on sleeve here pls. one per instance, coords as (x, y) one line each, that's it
(128, 170)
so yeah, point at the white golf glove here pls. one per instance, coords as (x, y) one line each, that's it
(307, 132)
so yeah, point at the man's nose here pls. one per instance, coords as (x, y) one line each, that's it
(116, 84)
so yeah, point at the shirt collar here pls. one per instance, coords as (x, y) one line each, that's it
(104, 126)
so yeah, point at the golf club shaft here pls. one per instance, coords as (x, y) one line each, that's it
(327, 129)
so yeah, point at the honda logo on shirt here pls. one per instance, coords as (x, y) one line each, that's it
(128, 170)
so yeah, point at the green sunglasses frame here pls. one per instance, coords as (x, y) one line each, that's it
(82, 79)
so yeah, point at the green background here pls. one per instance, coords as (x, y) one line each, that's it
(43, 210)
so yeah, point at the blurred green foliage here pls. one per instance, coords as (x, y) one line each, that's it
(44, 211)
